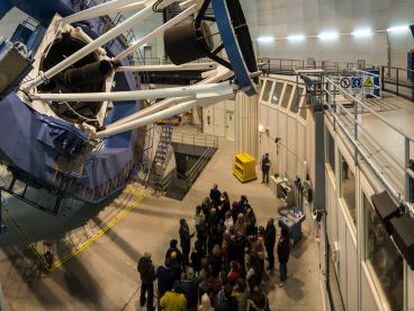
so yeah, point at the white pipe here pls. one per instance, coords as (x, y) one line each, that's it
(180, 17)
(110, 7)
(89, 48)
(166, 113)
(196, 90)
(223, 74)
(185, 4)
(158, 68)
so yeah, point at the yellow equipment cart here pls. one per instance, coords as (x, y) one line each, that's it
(244, 167)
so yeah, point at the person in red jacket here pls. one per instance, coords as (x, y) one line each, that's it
(235, 272)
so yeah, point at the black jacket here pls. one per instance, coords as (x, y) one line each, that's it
(228, 304)
(146, 270)
(166, 278)
(185, 236)
(215, 195)
(270, 236)
(283, 250)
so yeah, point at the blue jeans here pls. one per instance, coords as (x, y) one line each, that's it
(283, 272)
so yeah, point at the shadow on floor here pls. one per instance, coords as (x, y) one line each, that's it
(130, 251)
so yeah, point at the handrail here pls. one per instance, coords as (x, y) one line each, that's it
(196, 140)
(351, 118)
(380, 117)
(399, 68)
(200, 162)
(361, 142)
(399, 81)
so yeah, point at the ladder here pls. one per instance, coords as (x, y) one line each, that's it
(156, 173)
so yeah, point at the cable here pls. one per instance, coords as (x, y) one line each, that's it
(79, 115)
(130, 299)
(155, 6)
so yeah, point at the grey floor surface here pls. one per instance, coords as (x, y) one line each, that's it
(104, 277)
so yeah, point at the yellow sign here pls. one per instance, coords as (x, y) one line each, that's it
(368, 82)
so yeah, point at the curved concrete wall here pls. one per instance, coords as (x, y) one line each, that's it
(280, 18)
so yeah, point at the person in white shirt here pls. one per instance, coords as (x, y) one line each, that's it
(228, 222)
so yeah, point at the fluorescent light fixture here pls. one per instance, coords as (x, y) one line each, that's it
(266, 39)
(398, 29)
(329, 35)
(296, 38)
(361, 33)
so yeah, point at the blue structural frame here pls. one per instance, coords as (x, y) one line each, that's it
(232, 46)
(49, 153)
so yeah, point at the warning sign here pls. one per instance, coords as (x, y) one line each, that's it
(345, 83)
(356, 83)
(368, 82)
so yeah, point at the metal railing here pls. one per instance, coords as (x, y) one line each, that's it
(399, 81)
(202, 140)
(393, 173)
(272, 65)
(195, 171)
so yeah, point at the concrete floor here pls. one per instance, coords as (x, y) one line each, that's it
(104, 277)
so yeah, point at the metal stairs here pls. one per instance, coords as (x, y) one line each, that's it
(159, 163)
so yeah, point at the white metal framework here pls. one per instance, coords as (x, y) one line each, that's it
(175, 100)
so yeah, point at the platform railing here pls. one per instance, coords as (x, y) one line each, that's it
(399, 81)
(196, 139)
(271, 65)
(366, 147)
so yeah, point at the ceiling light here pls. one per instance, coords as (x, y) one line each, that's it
(398, 29)
(331, 35)
(362, 33)
(296, 38)
(266, 39)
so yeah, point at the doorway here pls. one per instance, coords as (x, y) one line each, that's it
(229, 125)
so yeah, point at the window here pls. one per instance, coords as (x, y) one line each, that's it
(384, 258)
(303, 109)
(286, 96)
(267, 88)
(277, 92)
(329, 150)
(294, 107)
(348, 187)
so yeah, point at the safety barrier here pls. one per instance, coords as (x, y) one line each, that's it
(393, 173)
(288, 66)
(399, 81)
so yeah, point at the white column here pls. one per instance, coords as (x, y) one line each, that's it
(247, 122)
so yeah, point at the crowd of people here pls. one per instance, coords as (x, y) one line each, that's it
(225, 267)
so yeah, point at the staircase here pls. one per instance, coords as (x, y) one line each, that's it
(156, 173)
